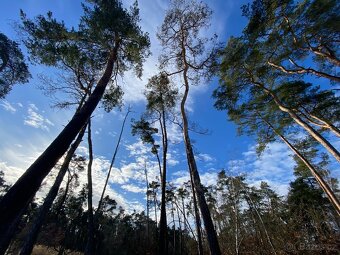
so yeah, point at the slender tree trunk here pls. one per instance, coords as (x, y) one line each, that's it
(147, 206)
(316, 135)
(209, 226)
(259, 240)
(174, 226)
(323, 184)
(159, 166)
(327, 125)
(155, 203)
(163, 242)
(184, 216)
(235, 206)
(186, 223)
(23, 191)
(112, 162)
(262, 223)
(63, 199)
(180, 231)
(313, 119)
(89, 250)
(197, 218)
(11, 231)
(31, 237)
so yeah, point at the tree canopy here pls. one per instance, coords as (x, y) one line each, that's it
(13, 68)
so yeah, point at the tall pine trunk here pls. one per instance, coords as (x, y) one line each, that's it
(147, 208)
(155, 204)
(319, 121)
(197, 218)
(89, 249)
(31, 237)
(163, 242)
(316, 135)
(18, 197)
(208, 223)
(323, 184)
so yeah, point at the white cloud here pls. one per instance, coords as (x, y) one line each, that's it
(172, 158)
(205, 157)
(180, 177)
(100, 169)
(22, 151)
(209, 178)
(36, 120)
(11, 173)
(8, 106)
(138, 148)
(274, 166)
(133, 188)
(174, 133)
(82, 150)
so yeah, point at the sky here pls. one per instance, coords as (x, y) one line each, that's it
(28, 123)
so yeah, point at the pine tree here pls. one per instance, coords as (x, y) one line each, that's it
(118, 41)
(185, 55)
(13, 68)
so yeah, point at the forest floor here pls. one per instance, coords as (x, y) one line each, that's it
(43, 250)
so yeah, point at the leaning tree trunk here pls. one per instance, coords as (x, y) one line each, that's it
(253, 207)
(323, 184)
(180, 230)
(316, 135)
(319, 121)
(163, 242)
(185, 222)
(208, 223)
(22, 192)
(197, 218)
(112, 162)
(89, 249)
(31, 237)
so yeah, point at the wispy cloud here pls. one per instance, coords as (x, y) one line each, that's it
(36, 120)
(205, 157)
(7, 106)
(274, 166)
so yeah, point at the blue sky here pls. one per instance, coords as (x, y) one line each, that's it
(28, 123)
